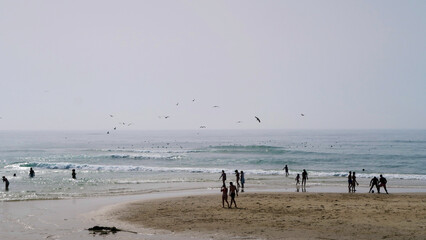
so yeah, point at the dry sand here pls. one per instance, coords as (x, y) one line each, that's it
(286, 216)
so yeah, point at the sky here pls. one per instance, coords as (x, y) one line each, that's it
(69, 65)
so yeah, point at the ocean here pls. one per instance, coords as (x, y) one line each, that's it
(135, 162)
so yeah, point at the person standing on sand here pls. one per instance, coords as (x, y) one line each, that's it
(223, 176)
(354, 182)
(32, 173)
(304, 177)
(374, 182)
(382, 183)
(73, 174)
(297, 179)
(286, 170)
(232, 192)
(350, 181)
(243, 180)
(224, 191)
(237, 176)
(6, 183)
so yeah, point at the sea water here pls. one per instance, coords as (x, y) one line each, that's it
(133, 162)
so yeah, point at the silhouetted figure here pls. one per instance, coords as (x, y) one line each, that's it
(73, 174)
(32, 173)
(297, 179)
(304, 177)
(224, 191)
(286, 170)
(374, 182)
(14, 174)
(382, 183)
(6, 183)
(243, 180)
(223, 176)
(354, 182)
(232, 192)
(237, 176)
(350, 181)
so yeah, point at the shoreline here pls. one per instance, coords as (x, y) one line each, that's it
(69, 218)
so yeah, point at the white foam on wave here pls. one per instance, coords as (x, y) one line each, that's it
(141, 168)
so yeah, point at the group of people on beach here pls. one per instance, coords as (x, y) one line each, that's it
(233, 189)
(31, 175)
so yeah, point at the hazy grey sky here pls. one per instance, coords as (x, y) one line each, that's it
(344, 64)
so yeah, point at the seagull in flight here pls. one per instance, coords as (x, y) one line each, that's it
(111, 115)
(203, 127)
(302, 114)
(257, 119)
(215, 106)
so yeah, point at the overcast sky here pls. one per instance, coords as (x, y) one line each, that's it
(68, 65)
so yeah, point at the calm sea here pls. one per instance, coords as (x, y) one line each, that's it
(147, 161)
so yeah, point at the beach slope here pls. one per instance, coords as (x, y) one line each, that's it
(285, 216)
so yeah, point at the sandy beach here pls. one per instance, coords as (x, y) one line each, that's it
(283, 216)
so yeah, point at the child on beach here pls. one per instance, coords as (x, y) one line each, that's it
(224, 191)
(297, 179)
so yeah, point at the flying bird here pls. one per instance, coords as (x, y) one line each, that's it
(215, 106)
(239, 122)
(257, 119)
(193, 100)
(203, 127)
(302, 114)
(111, 115)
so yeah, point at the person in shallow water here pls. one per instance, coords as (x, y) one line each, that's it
(32, 173)
(304, 177)
(223, 176)
(243, 180)
(73, 174)
(6, 183)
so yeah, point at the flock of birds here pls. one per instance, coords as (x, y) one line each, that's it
(168, 116)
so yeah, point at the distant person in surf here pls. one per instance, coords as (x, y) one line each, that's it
(224, 191)
(243, 180)
(223, 176)
(32, 173)
(304, 177)
(354, 182)
(232, 192)
(237, 176)
(6, 183)
(73, 174)
(374, 182)
(382, 183)
(350, 181)
(286, 170)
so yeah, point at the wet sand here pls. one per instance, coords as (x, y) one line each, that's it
(283, 216)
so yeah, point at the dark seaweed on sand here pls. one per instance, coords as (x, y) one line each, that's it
(106, 230)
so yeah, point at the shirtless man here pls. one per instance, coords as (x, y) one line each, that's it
(232, 192)
(350, 181)
(223, 176)
(224, 191)
(354, 182)
(237, 176)
(374, 182)
(286, 170)
(304, 177)
(382, 183)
